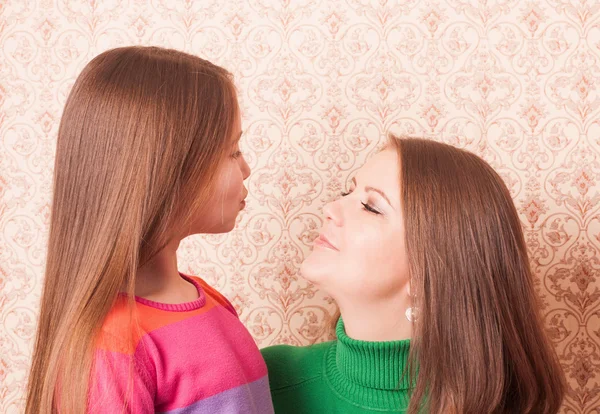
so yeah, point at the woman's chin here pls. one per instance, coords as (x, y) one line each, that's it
(312, 270)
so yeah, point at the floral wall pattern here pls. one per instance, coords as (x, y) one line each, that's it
(320, 84)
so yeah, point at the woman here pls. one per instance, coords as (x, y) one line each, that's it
(426, 260)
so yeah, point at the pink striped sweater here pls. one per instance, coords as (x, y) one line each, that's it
(194, 357)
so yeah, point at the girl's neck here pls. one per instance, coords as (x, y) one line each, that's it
(159, 279)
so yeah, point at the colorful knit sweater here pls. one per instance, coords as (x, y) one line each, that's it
(340, 377)
(193, 357)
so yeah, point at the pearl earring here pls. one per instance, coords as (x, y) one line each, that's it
(411, 314)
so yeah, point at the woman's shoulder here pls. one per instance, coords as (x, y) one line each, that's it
(292, 365)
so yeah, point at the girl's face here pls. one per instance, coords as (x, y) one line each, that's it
(230, 192)
(360, 253)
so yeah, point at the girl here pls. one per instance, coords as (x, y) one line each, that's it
(147, 154)
(426, 259)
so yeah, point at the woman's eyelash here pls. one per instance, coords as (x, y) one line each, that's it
(237, 154)
(366, 207)
(370, 209)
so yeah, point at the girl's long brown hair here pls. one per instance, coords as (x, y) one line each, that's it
(478, 344)
(143, 131)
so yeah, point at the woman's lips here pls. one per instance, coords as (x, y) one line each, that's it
(323, 241)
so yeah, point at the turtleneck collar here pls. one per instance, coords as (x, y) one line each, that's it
(372, 364)
(369, 374)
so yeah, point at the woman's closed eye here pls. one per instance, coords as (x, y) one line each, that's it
(370, 209)
(366, 206)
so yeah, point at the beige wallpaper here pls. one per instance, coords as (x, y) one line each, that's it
(320, 84)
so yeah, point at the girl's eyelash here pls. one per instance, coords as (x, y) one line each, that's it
(345, 193)
(370, 209)
(237, 154)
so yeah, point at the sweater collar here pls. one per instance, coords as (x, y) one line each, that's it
(379, 365)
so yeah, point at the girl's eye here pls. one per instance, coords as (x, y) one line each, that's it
(370, 209)
(237, 154)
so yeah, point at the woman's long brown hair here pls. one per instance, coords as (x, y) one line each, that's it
(479, 344)
(143, 131)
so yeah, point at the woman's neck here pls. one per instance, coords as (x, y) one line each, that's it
(381, 321)
(159, 279)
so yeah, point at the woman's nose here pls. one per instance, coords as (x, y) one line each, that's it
(333, 212)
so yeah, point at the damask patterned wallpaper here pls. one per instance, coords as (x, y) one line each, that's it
(321, 82)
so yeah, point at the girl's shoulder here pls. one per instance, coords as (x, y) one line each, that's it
(214, 294)
(120, 331)
(125, 326)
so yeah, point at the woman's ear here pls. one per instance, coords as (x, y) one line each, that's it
(409, 290)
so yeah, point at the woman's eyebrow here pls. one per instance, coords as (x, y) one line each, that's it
(377, 190)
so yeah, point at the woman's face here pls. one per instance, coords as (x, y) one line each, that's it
(360, 253)
(230, 192)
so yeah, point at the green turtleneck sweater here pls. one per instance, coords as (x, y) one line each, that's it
(344, 376)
